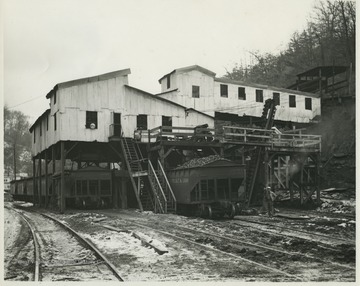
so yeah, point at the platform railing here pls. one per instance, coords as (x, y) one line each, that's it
(270, 138)
(247, 135)
(174, 133)
(296, 141)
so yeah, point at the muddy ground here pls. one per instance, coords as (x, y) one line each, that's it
(296, 245)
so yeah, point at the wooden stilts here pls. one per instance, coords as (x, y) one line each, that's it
(62, 184)
(40, 184)
(34, 180)
(53, 159)
(46, 180)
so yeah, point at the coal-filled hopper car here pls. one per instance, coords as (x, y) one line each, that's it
(211, 189)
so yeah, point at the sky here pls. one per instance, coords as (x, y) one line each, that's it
(51, 41)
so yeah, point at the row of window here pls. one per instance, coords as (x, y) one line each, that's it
(259, 95)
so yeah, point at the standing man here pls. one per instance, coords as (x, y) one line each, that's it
(268, 201)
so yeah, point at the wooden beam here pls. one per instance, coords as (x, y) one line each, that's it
(53, 159)
(62, 184)
(168, 152)
(116, 151)
(34, 180)
(71, 148)
(46, 179)
(40, 185)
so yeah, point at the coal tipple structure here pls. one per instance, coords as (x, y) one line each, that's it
(203, 145)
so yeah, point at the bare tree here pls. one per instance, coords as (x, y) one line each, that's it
(17, 141)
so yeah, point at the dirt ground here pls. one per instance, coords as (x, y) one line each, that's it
(296, 245)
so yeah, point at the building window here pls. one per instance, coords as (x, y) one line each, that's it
(54, 121)
(241, 93)
(223, 90)
(308, 103)
(141, 122)
(292, 101)
(259, 95)
(276, 98)
(195, 91)
(168, 81)
(91, 120)
(166, 121)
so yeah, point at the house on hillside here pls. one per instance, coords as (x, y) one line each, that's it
(199, 88)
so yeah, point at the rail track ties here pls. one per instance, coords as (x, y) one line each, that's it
(62, 254)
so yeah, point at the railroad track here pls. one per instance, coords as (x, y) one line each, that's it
(293, 232)
(62, 254)
(270, 258)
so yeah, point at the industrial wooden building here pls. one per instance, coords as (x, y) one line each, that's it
(104, 142)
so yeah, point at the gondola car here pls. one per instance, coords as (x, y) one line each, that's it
(88, 187)
(209, 190)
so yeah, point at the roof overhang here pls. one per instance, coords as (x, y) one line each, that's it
(190, 68)
(326, 71)
(85, 80)
(47, 111)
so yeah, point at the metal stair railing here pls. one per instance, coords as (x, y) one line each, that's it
(173, 198)
(123, 143)
(152, 174)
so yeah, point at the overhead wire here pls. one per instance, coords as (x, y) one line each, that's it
(32, 99)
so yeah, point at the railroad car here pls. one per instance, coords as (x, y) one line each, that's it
(88, 187)
(210, 190)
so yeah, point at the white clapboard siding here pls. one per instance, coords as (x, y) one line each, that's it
(210, 100)
(106, 96)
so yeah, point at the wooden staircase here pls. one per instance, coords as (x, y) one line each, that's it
(152, 189)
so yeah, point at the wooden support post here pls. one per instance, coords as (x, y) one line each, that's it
(317, 179)
(266, 166)
(279, 171)
(62, 184)
(53, 159)
(287, 171)
(302, 184)
(46, 179)
(39, 188)
(34, 180)
(272, 170)
(162, 157)
(291, 184)
(123, 190)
